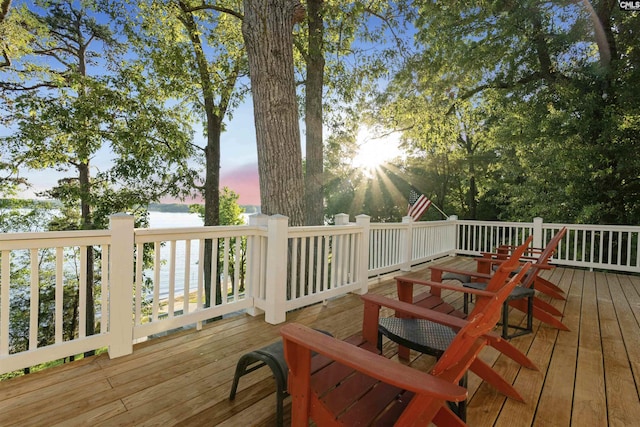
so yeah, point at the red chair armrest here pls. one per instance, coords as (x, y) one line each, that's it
(297, 337)
(411, 281)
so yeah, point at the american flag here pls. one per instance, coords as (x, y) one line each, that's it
(418, 204)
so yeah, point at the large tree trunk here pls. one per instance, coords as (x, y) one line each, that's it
(266, 28)
(313, 180)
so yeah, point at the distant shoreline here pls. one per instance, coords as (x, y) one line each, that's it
(153, 207)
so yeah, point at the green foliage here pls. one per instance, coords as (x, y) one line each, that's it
(230, 211)
(522, 109)
(73, 103)
(17, 215)
(380, 193)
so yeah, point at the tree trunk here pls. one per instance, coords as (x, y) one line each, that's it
(87, 224)
(211, 199)
(266, 28)
(314, 184)
(212, 152)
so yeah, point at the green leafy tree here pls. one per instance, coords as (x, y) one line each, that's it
(75, 101)
(542, 88)
(15, 36)
(341, 53)
(196, 51)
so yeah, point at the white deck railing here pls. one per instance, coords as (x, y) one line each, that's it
(607, 247)
(265, 266)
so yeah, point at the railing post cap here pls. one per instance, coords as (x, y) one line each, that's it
(453, 218)
(258, 219)
(363, 219)
(407, 219)
(341, 219)
(277, 218)
(121, 216)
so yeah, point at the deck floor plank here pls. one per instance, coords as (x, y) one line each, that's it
(590, 404)
(555, 401)
(622, 395)
(589, 375)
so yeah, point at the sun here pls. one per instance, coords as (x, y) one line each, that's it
(374, 150)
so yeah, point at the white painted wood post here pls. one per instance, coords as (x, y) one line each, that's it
(340, 258)
(256, 269)
(276, 281)
(121, 285)
(363, 221)
(407, 243)
(454, 234)
(537, 232)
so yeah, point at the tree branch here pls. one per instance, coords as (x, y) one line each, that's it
(399, 41)
(4, 9)
(220, 9)
(498, 85)
(6, 86)
(7, 61)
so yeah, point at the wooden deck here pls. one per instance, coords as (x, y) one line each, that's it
(588, 376)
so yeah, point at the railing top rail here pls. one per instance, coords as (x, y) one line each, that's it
(496, 223)
(52, 235)
(319, 230)
(54, 239)
(146, 235)
(632, 228)
(432, 223)
(421, 224)
(549, 225)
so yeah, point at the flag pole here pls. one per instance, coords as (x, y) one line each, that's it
(419, 203)
(439, 210)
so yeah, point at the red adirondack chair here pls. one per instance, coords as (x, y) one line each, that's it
(540, 256)
(541, 309)
(348, 383)
(399, 329)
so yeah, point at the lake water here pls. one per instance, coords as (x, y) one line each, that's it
(174, 219)
(177, 220)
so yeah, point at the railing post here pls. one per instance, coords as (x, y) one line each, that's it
(276, 280)
(256, 270)
(456, 240)
(341, 219)
(537, 232)
(407, 243)
(338, 261)
(363, 221)
(121, 285)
